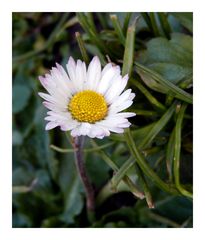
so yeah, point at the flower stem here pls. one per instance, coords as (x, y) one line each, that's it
(80, 164)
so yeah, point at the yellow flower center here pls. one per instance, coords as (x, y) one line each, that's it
(88, 106)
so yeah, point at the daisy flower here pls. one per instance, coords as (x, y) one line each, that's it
(87, 101)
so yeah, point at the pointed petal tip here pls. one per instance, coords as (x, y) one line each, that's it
(40, 94)
(126, 77)
(40, 78)
(71, 60)
(58, 65)
(96, 58)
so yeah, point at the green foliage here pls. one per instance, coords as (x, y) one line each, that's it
(148, 166)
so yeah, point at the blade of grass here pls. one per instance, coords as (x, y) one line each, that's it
(94, 37)
(169, 99)
(164, 24)
(170, 155)
(126, 22)
(82, 47)
(139, 134)
(154, 24)
(103, 22)
(183, 84)
(112, 165)
(147, 20)
(107, 191)
(187, 82)
(176, 91)
(147, 170)
(147, 113)
(67, 150)
(150, 151)
(71, 22)
(90, 20)
(160, 124)
(129, 51)
(177, 151)
(147, 192)
(148, 95)
(121, 173)
(118, 28)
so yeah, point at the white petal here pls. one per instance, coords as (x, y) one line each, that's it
(66, 126)
(116, 129)
(113, 121)
(61, 85)
(54, 107)
(75, 132)
(65, 78)
(116, 89)
(124, 105)
(58, 101)
(51, 125)
(60, 116)
(93, 73)
(53, 88)
(71, 69)
(123, 115)
(108, 78)
(106, 67)
(122, 98)
(65, 115)
(124, 125)
(97, 132)
(80, 74)
(132, 96)
(82, 129)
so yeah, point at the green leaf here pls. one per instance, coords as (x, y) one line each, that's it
(178, 50)
(185, 18)
(157, 82)
(171, 59)
(71, 188)
(168, 208)
(20, 97)
(171, 72)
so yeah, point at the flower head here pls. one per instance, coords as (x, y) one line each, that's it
(87, 102)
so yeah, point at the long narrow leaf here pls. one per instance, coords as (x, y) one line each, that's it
(158, 126)
(147, 170)
(176, 91)
(148, 95)
(118, 28)
(177, 151)
(129, 51)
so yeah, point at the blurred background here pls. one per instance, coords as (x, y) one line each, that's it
(47, 191)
